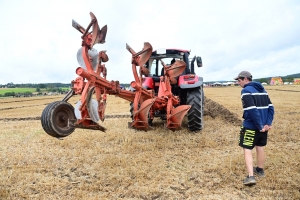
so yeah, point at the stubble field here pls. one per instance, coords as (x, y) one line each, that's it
(124, 163)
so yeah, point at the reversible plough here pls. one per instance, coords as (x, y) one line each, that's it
(59, 119)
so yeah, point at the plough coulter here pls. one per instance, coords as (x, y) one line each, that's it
(169, 91)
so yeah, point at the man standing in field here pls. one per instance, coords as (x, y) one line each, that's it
(258, 116)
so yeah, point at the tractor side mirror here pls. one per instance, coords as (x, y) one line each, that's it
(199, 61)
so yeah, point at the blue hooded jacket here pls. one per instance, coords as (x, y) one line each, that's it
(257, 106)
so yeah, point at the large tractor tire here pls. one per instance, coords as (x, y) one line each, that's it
(55, 118)
(195, 98)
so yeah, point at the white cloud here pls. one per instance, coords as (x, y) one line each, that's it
(38, 43)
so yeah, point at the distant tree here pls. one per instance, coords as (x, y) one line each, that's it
(290, 79)
(263, 80)
(42, 85)
(28, 93)
(11, 85)
(60, 90)
(38, 89)
(50, 86)
(8, 94)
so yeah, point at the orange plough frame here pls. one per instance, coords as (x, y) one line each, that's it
(93, 81)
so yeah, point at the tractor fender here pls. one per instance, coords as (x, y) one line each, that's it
(147, 82)
(185, 81)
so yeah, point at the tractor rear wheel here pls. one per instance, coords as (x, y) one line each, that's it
(195, 114)
(55, 118)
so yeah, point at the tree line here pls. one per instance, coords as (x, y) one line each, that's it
(40, 88)
(268, 80)
(43, 85)
(35, 85)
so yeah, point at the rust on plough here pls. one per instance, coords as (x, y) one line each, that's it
(59, 119)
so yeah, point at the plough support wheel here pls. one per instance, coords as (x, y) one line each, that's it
(55, 119)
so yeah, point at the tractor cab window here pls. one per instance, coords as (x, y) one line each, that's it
(155, 66)
(152, 66)
(167, 61)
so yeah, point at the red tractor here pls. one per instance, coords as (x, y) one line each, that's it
(186, 85)
(169, 95)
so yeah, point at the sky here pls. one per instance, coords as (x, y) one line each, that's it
(39, 45)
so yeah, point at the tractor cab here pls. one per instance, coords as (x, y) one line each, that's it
(168, 56)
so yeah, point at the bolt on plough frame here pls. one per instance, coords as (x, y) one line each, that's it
(59, 119)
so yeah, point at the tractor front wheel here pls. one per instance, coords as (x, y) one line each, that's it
(195, 98)
(55, 118)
